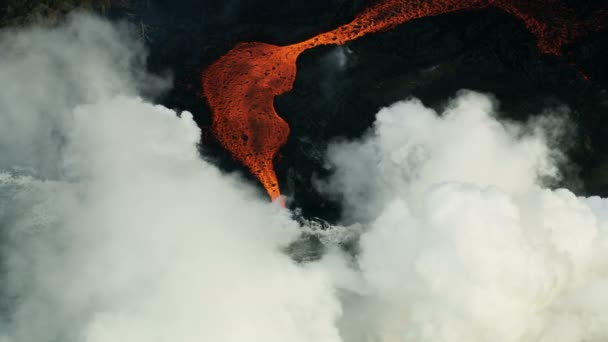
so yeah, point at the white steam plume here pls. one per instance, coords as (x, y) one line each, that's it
(113, 228)
(464, 243)
(135, 238)
(45, 73)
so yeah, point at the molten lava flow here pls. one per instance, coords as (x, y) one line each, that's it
(240, 87)
(552, 24)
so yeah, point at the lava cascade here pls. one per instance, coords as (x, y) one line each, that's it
(240, 87)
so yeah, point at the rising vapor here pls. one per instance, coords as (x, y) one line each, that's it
(114, 228)
(464, 243)
(134, 237)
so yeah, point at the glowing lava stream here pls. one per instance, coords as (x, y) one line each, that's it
(240, 87)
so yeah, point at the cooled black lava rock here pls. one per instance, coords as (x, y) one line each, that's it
(338, 90)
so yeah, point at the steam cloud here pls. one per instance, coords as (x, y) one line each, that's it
(136, 238)
(114, 229)
(464, 244)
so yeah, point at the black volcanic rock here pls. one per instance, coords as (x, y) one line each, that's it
(338, 90)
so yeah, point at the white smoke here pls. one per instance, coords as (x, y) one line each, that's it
(464, 242)
(44, 73)
(114, 229)
(134, 238)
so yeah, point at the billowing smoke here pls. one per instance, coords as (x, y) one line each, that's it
(464, 243)
(134, 237)
(114, 228)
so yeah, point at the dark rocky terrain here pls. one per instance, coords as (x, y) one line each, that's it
(338, 90)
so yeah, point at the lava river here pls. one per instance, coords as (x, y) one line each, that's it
(240, 87)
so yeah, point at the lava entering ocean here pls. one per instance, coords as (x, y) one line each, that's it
(240, 87)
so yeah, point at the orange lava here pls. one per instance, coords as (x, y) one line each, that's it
(240, 87)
